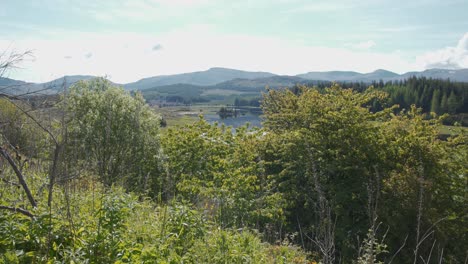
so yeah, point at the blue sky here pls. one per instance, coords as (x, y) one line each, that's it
(126, 40)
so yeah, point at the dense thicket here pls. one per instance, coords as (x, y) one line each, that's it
(344, 169)
(327, 174)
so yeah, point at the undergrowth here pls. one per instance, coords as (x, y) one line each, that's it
(95, 225)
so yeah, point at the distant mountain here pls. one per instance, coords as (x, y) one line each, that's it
(378, 75)
(12, 87)
(236, 78)
(460, 75)
(15, 87)
(190, 92)
(330, 75)
(341, 76)
(222, 78)
(66, 81)
(209, 77)
(10, 82)
(350, 76)
(242, 85)
(454, 75)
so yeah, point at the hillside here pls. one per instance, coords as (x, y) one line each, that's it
(10, 86)
(66, 81)
(20, 87)
(231, 79)
(10, 82)
(240, 87)
(460, 75)
(261, 83)
(208, 77)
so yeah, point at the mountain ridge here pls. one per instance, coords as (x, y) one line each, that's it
(218, 76)
(211, 76)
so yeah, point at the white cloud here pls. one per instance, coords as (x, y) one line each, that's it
(127, 57)
(448, 57)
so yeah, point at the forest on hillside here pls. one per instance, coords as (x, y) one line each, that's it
(334, 176)
(431, 95)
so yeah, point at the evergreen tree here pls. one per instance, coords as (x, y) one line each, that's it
(443, 104)
(452, 103)
(435, 103)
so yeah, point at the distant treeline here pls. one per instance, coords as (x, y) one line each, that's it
(254, 102)
(432, 95)
(185, 100)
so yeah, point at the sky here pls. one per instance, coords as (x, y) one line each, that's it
(126, 40)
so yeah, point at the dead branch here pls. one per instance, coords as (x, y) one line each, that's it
(20, 176)
(24, 111)
(17, 210)
(11, 60)
(398, 251)
(10, 182)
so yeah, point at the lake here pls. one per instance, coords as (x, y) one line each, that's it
(253, 118)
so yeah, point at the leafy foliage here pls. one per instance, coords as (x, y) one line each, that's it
(341, 166)
(110, 226)
(221, 172)
(115, 133)
(329, 164)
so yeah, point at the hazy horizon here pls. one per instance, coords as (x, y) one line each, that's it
(129, 40)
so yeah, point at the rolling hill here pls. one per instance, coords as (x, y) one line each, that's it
(460, 75)
(209, 77)
(231, 79)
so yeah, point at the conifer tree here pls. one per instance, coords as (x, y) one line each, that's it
(443, 104)
(452, 103)
(435, 103)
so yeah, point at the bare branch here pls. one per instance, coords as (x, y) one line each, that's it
(17, 210)
(398, 251)
(430, 253)
(10, 182)
(20, 176)
(11, 59)
(53, 173)
(37, 122)
(442, 256)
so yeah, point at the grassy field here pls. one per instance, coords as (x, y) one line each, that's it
(452, 130)
(181, 115)
(221, 92)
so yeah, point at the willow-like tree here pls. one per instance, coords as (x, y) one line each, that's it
(114, 134)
